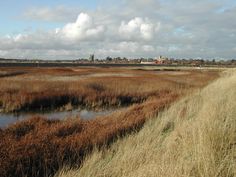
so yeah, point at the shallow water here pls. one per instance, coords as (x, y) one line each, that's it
(7, 119)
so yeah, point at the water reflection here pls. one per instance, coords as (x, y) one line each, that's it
(6, 119)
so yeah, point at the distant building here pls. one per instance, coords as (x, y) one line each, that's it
(91, 57)
(162, 60)
(109, 59)
(148, 62)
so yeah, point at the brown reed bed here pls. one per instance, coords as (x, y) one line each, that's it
(39, 147)
(94, 88)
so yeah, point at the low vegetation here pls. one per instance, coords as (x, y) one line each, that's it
(94, 88)
(39, 147)
(194, 137)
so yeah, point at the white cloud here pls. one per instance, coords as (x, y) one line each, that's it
(148, 48)
(3, 53)
(51, 14)
(128, 46)
(138, 28)
(18, 37)
(147, 31)
(143, 5)
(83, 28)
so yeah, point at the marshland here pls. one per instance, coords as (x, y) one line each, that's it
(125, 97)
(98, 88)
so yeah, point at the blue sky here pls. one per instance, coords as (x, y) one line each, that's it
(11, 13)
(71, 29)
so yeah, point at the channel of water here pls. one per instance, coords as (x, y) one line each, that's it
(7, 119)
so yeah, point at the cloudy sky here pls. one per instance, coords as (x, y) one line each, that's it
(71, 29)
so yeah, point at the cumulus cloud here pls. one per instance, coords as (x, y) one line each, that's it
(83, 28)
(138, 28)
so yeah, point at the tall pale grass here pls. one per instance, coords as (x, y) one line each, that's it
(195, 137)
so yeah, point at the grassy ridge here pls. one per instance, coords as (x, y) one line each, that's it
(195, 137)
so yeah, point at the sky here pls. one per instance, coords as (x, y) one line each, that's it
(72, 29)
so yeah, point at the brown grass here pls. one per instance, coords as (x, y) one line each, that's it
(39, 147)
(53, 88)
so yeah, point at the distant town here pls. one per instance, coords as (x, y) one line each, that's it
(161, 60)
